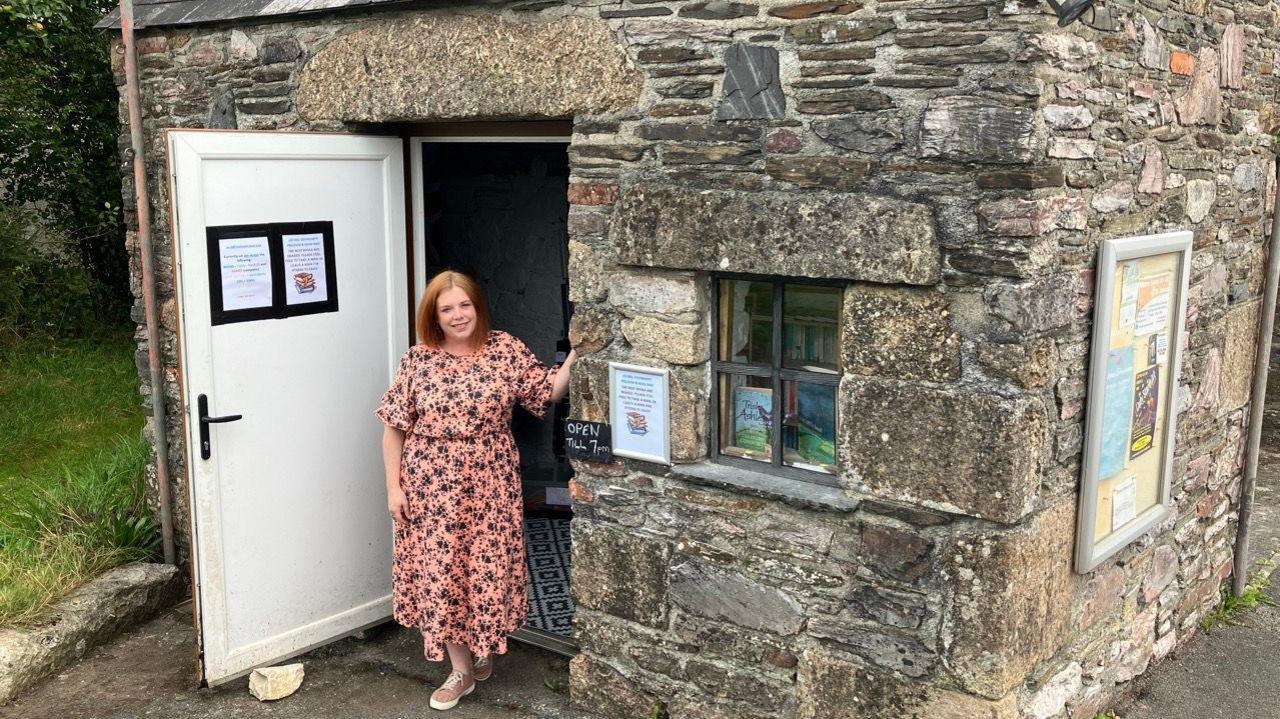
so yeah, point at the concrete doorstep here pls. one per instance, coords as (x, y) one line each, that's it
(92, 614)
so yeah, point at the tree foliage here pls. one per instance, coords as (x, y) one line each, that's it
(58, 132)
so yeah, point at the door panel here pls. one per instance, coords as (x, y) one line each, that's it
(292, 539)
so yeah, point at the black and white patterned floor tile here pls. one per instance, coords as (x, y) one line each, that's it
(550, 604)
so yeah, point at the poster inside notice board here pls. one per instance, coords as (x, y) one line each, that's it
(1140, 306)
(271, 271)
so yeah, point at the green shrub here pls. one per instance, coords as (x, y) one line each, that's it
(59, 129)
(46, 291)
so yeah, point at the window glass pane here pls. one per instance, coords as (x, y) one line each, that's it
(809, 426)
(746, 416)
(746, 321)
(811, 328)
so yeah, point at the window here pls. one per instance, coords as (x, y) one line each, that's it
(777, 354)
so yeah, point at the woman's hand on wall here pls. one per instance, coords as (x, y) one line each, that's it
(560, 383)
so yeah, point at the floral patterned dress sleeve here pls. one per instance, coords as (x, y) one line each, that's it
(397, 407)
(533, 381)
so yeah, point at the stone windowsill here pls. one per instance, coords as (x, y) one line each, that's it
(806, 495)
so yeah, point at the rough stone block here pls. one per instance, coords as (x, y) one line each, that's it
(467, 67)
(1202, 102)
(1013, 600)
(592, 193)
(822, 171)
(876, 645)
(895, 553)
(904, 610)
(833, 31)
(589, 330)
(835, 686)
(596, 687)
(96, 611)
(751, 88)
(977, 129)
(674, 343)
(729, 640)
(898, 332)
(745, 684)
(586, 283)
(1018, 217)
(1238, 357)
(709, 591)
(1035, 306)
(1233, 46)
(621, 573)
(803, 234)
(1031, 364)
(960, 450)
(1050, 699)
(668, 295)
(871, 134)
(803, 10)
(689, 393)
(1201, 195)
(268, 684)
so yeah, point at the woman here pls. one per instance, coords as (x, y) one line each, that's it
(453, 480)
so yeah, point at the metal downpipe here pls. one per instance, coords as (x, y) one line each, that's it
(142, 202)
(1257, 402)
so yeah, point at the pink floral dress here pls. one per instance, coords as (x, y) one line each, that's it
(459, 572)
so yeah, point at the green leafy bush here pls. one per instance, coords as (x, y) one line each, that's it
(59, 125)
(45, 291)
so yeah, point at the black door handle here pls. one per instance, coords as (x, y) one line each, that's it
(202, 407)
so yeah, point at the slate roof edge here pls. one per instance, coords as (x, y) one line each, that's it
(198, 12)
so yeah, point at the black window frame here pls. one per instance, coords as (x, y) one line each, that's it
(777, 374)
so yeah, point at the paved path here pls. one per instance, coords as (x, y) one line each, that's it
(1231, 673)
(1234, 672)
(150, 672)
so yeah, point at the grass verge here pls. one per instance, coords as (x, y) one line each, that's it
(71, 468)
(1231, 610)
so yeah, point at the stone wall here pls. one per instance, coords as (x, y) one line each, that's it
(954, 163)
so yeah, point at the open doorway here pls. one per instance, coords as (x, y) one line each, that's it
(496, 208)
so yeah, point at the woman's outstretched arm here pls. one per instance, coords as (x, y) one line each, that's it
(560, 383)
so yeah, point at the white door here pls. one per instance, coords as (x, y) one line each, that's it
(292, 540)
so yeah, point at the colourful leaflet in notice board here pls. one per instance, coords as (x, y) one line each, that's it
(1138, 321)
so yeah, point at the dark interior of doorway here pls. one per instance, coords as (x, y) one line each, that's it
(498, 211)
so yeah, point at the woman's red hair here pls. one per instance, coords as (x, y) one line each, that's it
(428, 321)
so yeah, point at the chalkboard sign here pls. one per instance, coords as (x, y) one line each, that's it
(592, 441)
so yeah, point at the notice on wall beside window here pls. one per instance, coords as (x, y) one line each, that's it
(1140, 305)
(639, 411)
(275, 270)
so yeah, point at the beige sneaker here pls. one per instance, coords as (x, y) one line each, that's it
(457, 686)
(481, 668)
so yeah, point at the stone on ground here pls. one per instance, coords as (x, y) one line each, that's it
(271, 683)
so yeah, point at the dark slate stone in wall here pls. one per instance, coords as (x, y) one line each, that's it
(799, 233)
(977, 129)
(708, 591)
(872, 134)
(222, 115)
(752, 89)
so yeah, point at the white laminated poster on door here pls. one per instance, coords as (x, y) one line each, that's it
(304, 268)
(245, 264)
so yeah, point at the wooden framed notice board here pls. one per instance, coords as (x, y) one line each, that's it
(1140, 304)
